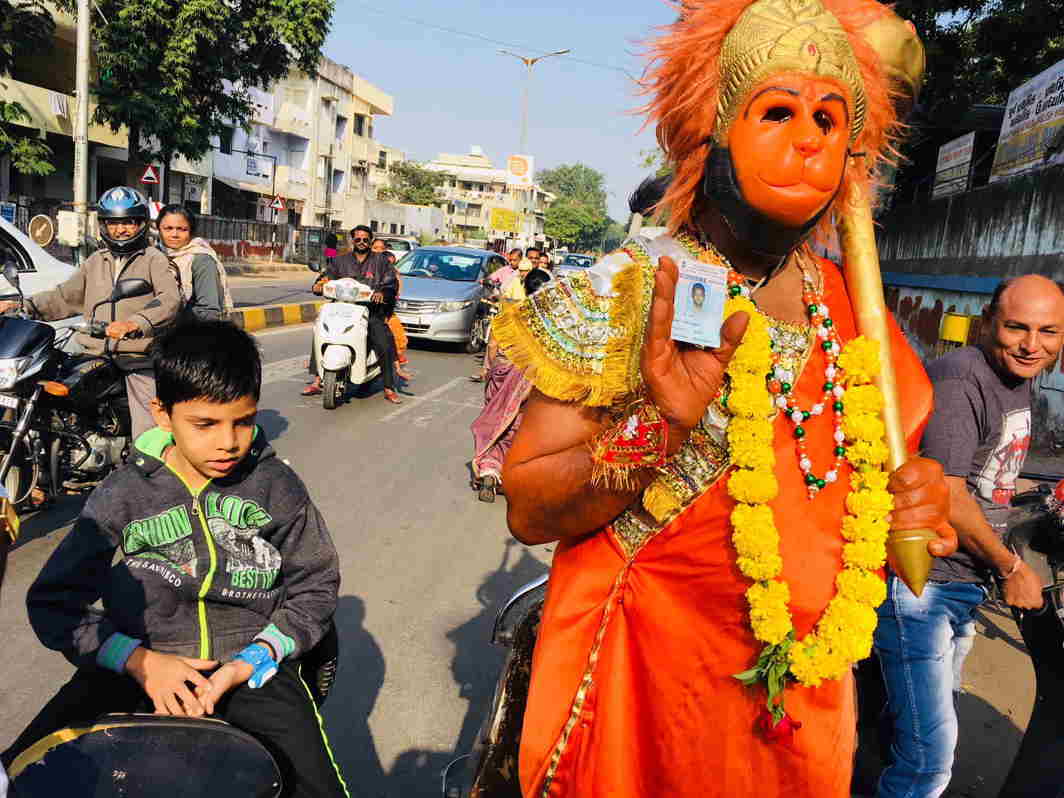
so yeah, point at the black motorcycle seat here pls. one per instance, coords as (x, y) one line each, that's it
(123, 755)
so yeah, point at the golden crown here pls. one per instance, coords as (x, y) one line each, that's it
(774, 36)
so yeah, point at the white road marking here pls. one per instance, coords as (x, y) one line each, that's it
(410, 403)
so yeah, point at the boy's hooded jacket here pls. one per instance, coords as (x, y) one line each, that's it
(248, 557)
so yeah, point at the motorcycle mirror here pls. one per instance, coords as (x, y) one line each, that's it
(314, 267)
(11, 275)
(129, 288)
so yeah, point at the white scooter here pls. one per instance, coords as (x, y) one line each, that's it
(341, 344)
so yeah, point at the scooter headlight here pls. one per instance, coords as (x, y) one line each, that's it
(450, 307)
(11, 369)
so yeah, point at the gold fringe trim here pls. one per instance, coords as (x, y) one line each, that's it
(617, 478)
(628, 318)
(541, 369)
(620, 366)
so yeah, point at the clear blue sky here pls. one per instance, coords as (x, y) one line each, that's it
(452, 91)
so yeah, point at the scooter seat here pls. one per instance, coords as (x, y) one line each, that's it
(125, 755)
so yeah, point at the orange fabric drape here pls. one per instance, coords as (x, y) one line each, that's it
(645, 649)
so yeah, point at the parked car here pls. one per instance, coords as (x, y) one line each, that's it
(38, 271)
(441, 291)
(398, 246)
(574, 263)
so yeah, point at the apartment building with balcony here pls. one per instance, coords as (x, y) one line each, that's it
(473, 187)
(311, 144)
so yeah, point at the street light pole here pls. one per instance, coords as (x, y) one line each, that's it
(81, 122)
(529, 63)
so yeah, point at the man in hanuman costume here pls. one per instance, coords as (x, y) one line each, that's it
(722, 514)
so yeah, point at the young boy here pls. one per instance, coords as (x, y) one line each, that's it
(228, 574)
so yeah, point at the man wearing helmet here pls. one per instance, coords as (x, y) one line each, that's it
(134, 322)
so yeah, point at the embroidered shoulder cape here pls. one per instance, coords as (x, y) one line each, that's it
(645, 621)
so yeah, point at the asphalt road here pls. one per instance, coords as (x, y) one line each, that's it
(425, 567)
(262, 290)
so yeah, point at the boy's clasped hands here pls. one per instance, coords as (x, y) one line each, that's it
(166, 679)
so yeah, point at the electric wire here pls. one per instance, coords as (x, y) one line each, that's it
(488, 39)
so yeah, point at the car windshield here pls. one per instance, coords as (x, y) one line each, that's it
(397, 244)
(577, 260)
(440, 265)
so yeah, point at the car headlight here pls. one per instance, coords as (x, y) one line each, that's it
(450, 307)
(401, 304)
(11, 369)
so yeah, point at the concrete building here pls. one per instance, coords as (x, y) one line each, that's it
(474, 187)
(310, 143)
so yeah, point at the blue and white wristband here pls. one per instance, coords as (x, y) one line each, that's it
(258, 658)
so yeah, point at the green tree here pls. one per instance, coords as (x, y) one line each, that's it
(25, 26)
(578, 216)
(177, 72)
(575, 224)
(980, 50)
(576, 181)
(412, 184)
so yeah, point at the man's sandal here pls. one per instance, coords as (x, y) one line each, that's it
(312, 390)
(392, 396)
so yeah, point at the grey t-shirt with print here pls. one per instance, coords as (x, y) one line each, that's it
(980, 430)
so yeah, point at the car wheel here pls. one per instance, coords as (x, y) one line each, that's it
(477, 336)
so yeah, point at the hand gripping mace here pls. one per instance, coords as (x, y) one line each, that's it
(902, 56)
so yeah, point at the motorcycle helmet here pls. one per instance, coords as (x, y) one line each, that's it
(123, 203)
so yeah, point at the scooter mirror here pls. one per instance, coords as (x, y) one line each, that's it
(11, 275)
(314, 267)
(129, 288)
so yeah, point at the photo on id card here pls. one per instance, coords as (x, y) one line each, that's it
(699, 303)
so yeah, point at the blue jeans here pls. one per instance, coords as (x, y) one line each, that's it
(921, 644)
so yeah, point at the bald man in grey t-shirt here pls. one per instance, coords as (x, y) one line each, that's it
(980, 431)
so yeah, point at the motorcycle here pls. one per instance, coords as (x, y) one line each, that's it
(341, 350)
(65, 421)
(487, 309)
(140, 754)
(1036, 534)
(491, 767)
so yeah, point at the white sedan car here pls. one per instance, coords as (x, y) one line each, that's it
(38, 271)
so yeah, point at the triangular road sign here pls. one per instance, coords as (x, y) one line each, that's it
(277, 204)
(150, 175)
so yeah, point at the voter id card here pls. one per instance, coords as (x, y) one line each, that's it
(699, 303)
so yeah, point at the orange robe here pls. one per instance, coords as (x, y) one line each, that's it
(632, 691)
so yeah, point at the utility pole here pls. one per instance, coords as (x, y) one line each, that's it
(81, 123)
(529, 63)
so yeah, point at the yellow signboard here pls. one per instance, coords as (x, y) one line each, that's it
(503, 220)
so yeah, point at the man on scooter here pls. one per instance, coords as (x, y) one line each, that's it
(134, 322)
(374, 270)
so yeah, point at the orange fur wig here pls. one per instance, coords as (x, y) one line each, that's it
(683, 81)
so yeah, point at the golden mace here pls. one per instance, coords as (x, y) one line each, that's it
(902, 55)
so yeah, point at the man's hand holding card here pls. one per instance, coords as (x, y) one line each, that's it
(699, 303)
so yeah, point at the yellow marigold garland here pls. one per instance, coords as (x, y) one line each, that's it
(843, 634)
